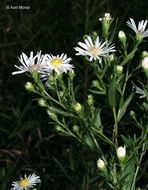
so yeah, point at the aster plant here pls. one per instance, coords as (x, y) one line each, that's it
(101, 119)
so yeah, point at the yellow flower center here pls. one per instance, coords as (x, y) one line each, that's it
(35, 68)
(56, 62)
(94, 51)
(24, 182)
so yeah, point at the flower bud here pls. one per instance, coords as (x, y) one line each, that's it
(52, 114)
(75, 128)
(101, 165)
(122, 37)
(61, 94)
(90, 100)
(139, 37)
(29, 86)
(78, 107)
(58, 128)
(144, 54)
(121, 153)
(71, 74)
(145, 63)
(42, 102)
(60, 76)
(95, 83)
(51, 79)
(145, 105)
(111, 57)
(119, 69)
(132, 114)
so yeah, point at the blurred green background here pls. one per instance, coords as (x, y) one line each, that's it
(28, 143)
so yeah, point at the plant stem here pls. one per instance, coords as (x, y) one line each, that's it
(116, 126)
(54, 100)
(107, 139)
(134, 180)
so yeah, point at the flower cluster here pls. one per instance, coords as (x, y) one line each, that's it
(43, 64)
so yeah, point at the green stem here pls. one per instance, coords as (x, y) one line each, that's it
(145, 135)
(96, 72)
(121, 173)
(134, 180)
(54, 100)
(116, 126)
(72, 91)
(101, 134)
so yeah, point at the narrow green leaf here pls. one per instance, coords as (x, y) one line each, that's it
(112, 93)
(123, 106)
(63, 169)
(97, 122)
(129, 57)
(97, 92)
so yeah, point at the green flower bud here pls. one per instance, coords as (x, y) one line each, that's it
(71, 74)
(95, 83)
(60, 76)
(145, 105)
(51, 79)
(76, 128)
(85, 37)
(90, 100)
(78, 107)
(111, 57)
(52, 115)
(144, 54)
(101, 165)
(132, 114)
(121, 153)
(58, 128)
(139, 37)
(42, 102)
(29, 86)
(61, 94)
(139, 188)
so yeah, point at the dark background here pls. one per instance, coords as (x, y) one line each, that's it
(27, 142)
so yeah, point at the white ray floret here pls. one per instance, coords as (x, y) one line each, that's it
(141, 30)
(58, 63)
(26, 182)
(31, 64)
(94, 50)
(140, 91)
(107, 17)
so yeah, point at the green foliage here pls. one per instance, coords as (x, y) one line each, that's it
(63, 157)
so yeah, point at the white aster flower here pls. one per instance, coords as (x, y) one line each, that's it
(140, 91)
(26, 182)
(94, 50)
(31, 64)
(141, 27)
(107, 16)
(58, 63)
